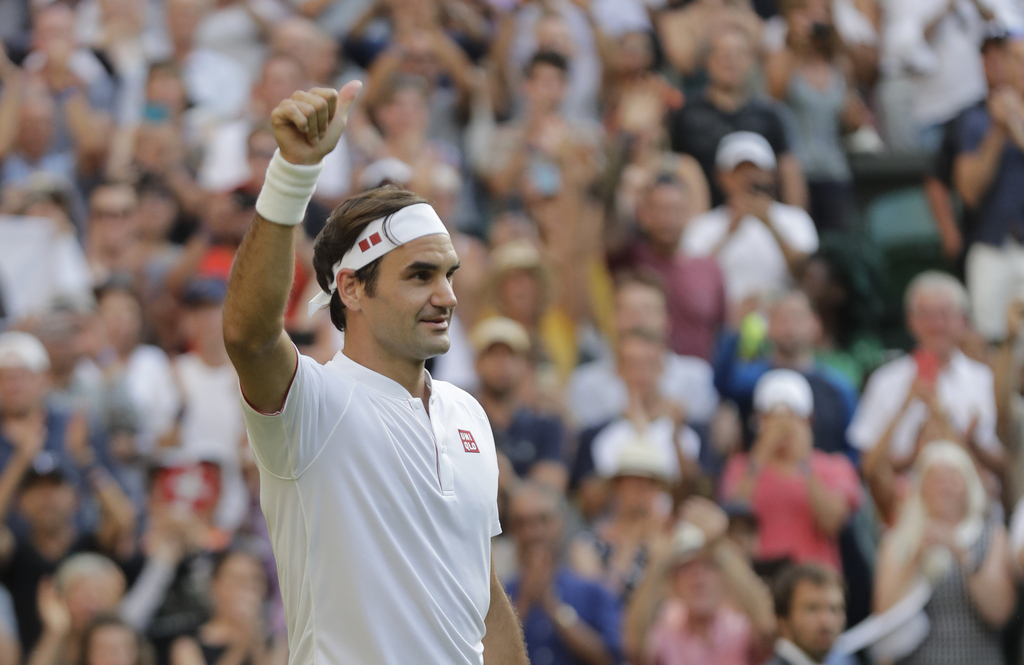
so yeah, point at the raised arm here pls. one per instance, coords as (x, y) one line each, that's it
(307, 126)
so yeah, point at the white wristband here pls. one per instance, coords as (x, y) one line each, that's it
(287, 190)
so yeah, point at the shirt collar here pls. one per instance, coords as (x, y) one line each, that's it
(791, 653)
(375, 380)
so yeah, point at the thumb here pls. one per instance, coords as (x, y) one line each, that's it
(346, 96)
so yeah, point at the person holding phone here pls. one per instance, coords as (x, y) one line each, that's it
(760, 243)
(934, 393)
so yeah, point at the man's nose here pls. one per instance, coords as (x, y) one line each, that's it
(444, 296)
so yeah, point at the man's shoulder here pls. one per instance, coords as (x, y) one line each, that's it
(455, 396)
(892, 370)
(975, 370)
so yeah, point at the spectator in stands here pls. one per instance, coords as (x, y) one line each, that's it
(532, 443)
(802, 497)
(211, 427)
(694, 287)
(936, 47)
(700, 602)
(810, 611)
(236, 630)
(86, 586)
(808, 75)
(760, 244)
(936, 392)
(111, 641)
(567, 619)
(114, 238)
(944, 537)
(793, 331)
(618, 548)
(988, 172)
(725, 107)
(597, 391)
(524, 156)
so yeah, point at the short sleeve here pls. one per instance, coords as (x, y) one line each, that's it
(796, 227)
(286, 443)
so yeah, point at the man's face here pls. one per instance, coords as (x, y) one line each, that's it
(817, 615)
(406, 112)
(49, 505)
(281, 77)
(664, 213)
(793, 327)
(545, 88)
(535, 521)
(121, 315)
(501, 370)
(21, 390)
(112, 215)
(640, 305)
(203, 325)
(730, 60)
(520, 295)
(745, 178)
(409, 314)
(699, 584)
(641, 363)
(54, 23)
(113, 645)
(936, 322)
(89, 596)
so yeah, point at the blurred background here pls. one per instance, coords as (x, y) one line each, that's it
(741, 293)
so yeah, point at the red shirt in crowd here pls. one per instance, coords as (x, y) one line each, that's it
(695, 290)
(728, 642)
(783, 509)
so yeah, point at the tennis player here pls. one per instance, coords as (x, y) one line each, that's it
(379, 484)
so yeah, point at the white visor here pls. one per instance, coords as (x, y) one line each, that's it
(380, 237)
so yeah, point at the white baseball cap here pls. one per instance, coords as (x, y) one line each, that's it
(20, 349)
(640, 458)
(739, 147)
(784, 387)
(688, 541)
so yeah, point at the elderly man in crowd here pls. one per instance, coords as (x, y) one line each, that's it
(936, 392)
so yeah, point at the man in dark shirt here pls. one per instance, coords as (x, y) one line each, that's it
(529, 443)
(726, 107)
(988, 172)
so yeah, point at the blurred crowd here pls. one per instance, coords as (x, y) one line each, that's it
(710, 449)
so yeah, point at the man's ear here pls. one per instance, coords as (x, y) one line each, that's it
(350, 290)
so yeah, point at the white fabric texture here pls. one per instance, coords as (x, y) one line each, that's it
(995, 277)
(380, 516)
(752, 262)
(965, 390)
(597, 393)
(661, 433)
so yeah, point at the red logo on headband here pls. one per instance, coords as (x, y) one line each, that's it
(367, 243)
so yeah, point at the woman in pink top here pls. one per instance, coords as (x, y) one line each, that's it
(802, 497)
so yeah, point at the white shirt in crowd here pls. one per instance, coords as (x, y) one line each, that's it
(661, 433)
(752, 262)
(597, 393)
(946, 70)
(213, 429)
(40, 264)
(964, 388)
(380, 516)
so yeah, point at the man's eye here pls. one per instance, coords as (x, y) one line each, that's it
(421, 275)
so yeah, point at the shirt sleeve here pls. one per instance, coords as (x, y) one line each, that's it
(985, 432)
(286, 443)
(795, 226)
(871, 416)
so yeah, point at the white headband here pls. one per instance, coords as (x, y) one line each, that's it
(378, 238)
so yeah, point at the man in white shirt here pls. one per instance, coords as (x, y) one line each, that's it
(379, 484)
(935, 393)
(758, 241)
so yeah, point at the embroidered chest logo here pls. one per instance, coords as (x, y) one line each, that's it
(468, 443)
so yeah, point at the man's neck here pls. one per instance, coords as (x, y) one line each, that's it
(499, 408)
(727, 99)
(410, 374)
(793, 654)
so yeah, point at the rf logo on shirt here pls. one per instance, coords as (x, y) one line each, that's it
(468, 443)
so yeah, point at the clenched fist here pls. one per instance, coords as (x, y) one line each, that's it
(308, 125)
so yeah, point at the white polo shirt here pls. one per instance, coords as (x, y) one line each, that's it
(965, 390)
(752, 262)
(380, 517)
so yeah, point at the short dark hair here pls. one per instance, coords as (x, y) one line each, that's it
(552, 58)
(789, 578)
(339, 235)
